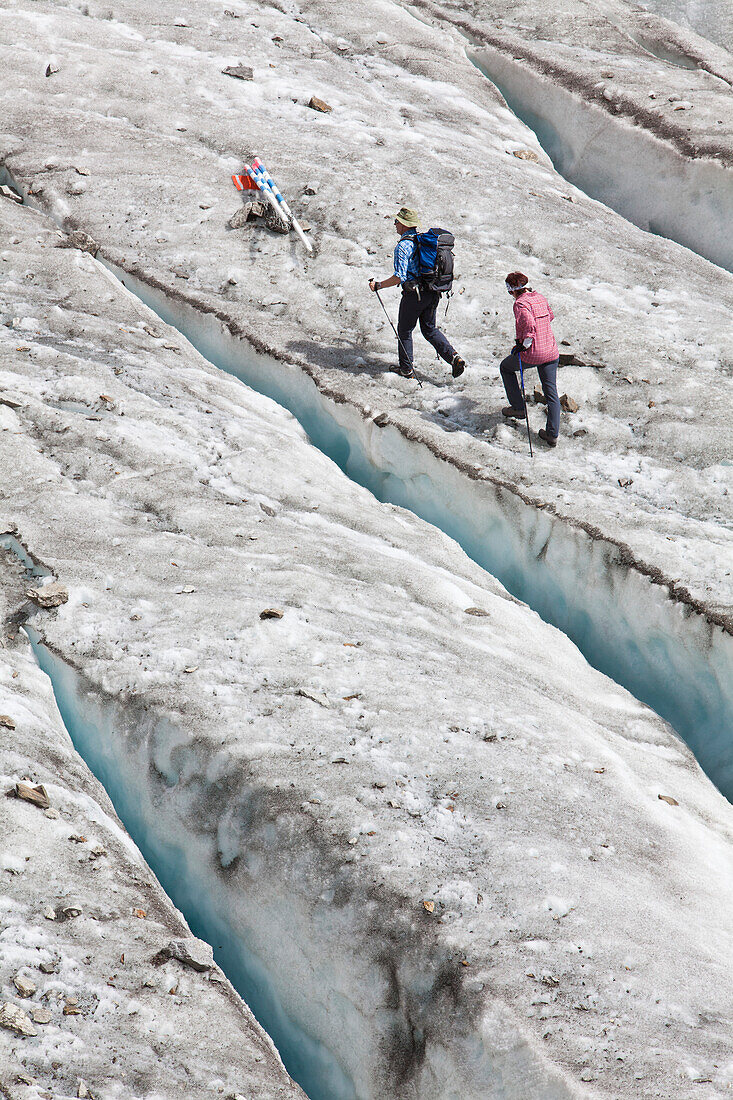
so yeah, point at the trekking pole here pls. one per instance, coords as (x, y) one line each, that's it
(394, 330)
(524, 399)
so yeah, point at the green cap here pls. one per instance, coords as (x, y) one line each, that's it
(407, 217)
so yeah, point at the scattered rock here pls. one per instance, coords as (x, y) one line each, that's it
(15, 1019)
(477, 611)
(624, 482)
(82, 171)
(524, 154)
(683, 105)
(192, 953)
(241, 72)
(271, 613)
(50, 70)
(317, 696)
(81, 240)
(82, 1090)
(380, 419)
(668, 799)
(247, 212)
(579, 433)
(317, 104)
(25, 987)
(539, 397)
(41, 1015)
(7, 721)
(28, 793)
(71, 1006)
(49, 913)
(50, 595)
(274, 222)
(569, 404)
(48, 967)
(310, 189)
(429, 906)
(9, 193)
(268, 509)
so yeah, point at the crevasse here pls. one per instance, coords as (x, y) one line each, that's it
(606, 155)
(669, 655)
(185, 864)
(665, 653)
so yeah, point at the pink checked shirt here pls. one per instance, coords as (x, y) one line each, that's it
(533, 315)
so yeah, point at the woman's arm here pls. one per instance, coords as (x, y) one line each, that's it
(525, 323)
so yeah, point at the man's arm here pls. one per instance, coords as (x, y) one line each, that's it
(393, 280)
(403, 251)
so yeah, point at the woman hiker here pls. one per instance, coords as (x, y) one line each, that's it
(537, 346)
(417, 303)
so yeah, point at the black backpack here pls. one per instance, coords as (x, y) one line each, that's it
(434, 255)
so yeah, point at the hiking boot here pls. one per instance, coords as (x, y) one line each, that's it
(550, 440)
(402, 373)
(518, 414)
(458, 365)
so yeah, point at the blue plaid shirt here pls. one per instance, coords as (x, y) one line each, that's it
(405, 261)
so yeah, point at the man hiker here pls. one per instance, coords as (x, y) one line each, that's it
(537, 346)
(418, 303)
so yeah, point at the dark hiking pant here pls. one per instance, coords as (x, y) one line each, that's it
(420, 307)
(548, 378)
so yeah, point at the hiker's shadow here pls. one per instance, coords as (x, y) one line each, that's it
(347, 356)
(437, 400)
